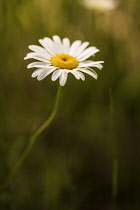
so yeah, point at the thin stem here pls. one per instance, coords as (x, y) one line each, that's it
(32, 140)
(114, 155)
(115, 178)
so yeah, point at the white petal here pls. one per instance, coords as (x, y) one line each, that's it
(91, 64)
(75, 74)
(58, 44)
(66, 45)
(48, 44)
(91, 73)
(74, 47)
(80, 74)
(29, 55)
(40, 51)
(38, 65)
(45, 73)
(63, 78)
(87, 53)
(92, 70)
(81, 48)
(36, 72)
(98, 65)
(35, 56)
(56, 74)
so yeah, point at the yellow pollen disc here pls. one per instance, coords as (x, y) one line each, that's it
(64, 61)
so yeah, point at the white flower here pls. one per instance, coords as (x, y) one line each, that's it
(60, 58)
(100, 5)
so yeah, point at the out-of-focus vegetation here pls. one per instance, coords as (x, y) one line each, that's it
(70, 166)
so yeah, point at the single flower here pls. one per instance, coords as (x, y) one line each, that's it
(60, 58)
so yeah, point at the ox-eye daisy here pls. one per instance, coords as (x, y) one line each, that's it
(60, 58)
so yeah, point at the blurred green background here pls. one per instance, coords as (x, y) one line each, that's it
(70, 166)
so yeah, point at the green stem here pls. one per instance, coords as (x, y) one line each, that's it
(115, 178)
(32, 140)
(114, 155)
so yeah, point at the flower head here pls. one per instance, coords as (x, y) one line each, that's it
(60, 58)
(100, 5)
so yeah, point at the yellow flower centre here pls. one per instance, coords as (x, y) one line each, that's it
(64, 61)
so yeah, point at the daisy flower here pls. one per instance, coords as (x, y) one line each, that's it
(60, 58)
